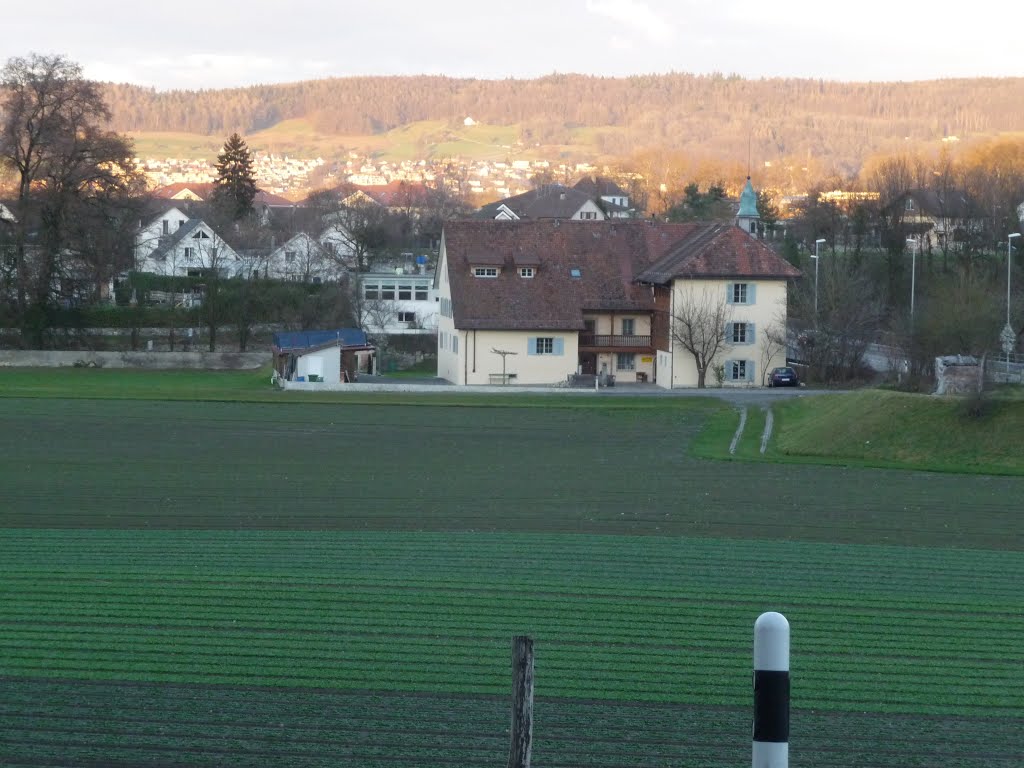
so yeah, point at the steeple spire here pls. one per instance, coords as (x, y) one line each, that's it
(748, 217)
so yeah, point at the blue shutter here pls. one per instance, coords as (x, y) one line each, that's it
(531, 346)
(559, 346)
(750, 370)
(728, 370)
(751, 293)
(750, 334)
(729, 293)
(728, 332)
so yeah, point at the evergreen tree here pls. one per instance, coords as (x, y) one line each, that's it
(235, 185)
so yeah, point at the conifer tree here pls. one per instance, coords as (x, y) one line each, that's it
(235, 186)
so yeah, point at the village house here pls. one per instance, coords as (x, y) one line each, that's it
(534, 302)
(551, 201)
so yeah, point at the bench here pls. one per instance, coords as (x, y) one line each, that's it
(501, 378)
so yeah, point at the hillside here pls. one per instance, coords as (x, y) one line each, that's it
(833, 125)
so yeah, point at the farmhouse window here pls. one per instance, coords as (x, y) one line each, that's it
(190, 254)
(741, 293)
(526, 272)
(387, 292)
(739, 370)
(405, 292)
(628, 327)
(371, 291)
(485, 271)
(625, 361)
(289, 256)
(740, 333)
(407, 317)
(421, 293)
(546, 345)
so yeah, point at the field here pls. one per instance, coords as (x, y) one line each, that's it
(262, 583)
(299, 138)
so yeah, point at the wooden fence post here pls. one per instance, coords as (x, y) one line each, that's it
(522, 702)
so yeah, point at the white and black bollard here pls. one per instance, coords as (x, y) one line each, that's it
(771, 691)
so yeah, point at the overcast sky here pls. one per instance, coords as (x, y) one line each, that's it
(214, 43)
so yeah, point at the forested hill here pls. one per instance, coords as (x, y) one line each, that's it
(720, 114)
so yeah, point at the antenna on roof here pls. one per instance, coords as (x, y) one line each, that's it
(750, 137)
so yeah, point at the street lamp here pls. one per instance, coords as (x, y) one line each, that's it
(1008, 337)
(817, 245)
(1009, 261)
(913, 273)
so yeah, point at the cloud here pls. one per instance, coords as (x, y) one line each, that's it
(637, 15)
(204, 70)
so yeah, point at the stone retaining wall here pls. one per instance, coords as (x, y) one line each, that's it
(153, 360)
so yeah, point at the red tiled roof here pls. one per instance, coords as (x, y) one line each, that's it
(719, 251)
(398, 193)
(204, 190)
(609, 258)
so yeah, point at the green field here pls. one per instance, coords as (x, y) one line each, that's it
(312, 584)
(420, 140)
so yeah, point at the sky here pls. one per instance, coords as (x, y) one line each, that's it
(193, 44)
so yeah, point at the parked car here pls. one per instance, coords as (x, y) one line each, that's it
(783, 377)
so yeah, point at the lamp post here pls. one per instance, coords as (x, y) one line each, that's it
(817, 254)
(1009, 262)
(913, 273)
(1008, 337)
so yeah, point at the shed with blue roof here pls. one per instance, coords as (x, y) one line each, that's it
(321, 359)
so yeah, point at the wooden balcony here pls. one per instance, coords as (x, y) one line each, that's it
(619, 342)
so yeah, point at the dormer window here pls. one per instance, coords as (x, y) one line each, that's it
(485, 271)
(910, 204)
(527, 271)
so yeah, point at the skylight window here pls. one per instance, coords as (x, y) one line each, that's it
(576, 272)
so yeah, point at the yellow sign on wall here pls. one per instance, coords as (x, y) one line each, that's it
(646, 359)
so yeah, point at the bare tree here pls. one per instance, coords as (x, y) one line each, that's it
(71, 176)
(356, 232)
(698, 324)
(773, 341)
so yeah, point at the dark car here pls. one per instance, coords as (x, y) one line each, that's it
(783, 377)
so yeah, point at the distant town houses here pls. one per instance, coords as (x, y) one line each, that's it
(478, 179)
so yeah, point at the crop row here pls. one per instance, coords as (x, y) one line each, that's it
(469, 654)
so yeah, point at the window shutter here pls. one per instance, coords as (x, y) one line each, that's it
(531, 346)
(728, 332)
(750, 370)
(751, 339)
(559, 346)
(751, 293)
(729, 288)
(728, 370)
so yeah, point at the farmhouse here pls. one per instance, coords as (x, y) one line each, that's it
(533, 302)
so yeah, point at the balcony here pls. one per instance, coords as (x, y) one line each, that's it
(614, 341)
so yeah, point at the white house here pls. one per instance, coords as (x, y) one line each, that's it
(159, 227)
(401, 301)
(301, 258)
(193, 249)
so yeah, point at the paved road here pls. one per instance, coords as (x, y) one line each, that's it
(739, 395)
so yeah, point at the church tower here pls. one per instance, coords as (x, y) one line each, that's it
(748, 218)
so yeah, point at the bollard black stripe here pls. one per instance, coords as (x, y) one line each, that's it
(771, 706)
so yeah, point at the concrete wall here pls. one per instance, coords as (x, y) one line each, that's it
(153, 360)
